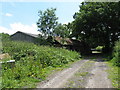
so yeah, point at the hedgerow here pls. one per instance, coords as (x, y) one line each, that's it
(31, 61)
(116, 54)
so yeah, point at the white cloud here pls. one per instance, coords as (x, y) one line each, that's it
(8, 14)
(20, 27)
(6, 30)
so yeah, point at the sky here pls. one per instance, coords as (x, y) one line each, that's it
(22, 16)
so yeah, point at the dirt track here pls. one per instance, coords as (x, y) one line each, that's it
(82, 74)
(99, 78)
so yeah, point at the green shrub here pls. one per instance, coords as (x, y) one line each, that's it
(114, 74)
(116, 54)
(31, 61)
(99, 47)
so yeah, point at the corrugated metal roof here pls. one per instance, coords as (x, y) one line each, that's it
(33, 35)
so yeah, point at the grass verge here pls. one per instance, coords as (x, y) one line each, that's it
(113, 72)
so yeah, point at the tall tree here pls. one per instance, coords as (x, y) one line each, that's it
(98, 23)
(62, 30)
(47, 21)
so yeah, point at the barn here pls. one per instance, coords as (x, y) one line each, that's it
(73, 44)
(22, 36)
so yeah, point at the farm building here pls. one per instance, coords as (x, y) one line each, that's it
(72, 44)
(21, 36)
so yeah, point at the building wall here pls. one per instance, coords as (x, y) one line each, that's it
(23, 37)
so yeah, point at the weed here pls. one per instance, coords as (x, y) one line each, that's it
(116, 54)
(71, 84)
(81, 73)
(113, 74)
(33, 63)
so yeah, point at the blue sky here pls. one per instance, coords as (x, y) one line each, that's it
(22, 16)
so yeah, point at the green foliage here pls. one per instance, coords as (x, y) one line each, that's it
(114, 74)
(31, 61)
(42, 41)
(116, 54)
(99, 47)
(62, 30)
(98, 23)
(4, 36)
(47, 21)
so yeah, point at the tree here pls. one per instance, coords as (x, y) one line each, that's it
(62, 30)
(47, 21)
(98, 23)
(4, 37)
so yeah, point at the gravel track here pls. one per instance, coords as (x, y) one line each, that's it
(95, 76)
(60, 78)
(99, 78)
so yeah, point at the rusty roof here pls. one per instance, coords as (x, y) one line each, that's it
(64, 41)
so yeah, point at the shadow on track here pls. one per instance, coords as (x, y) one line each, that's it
(99, 57)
